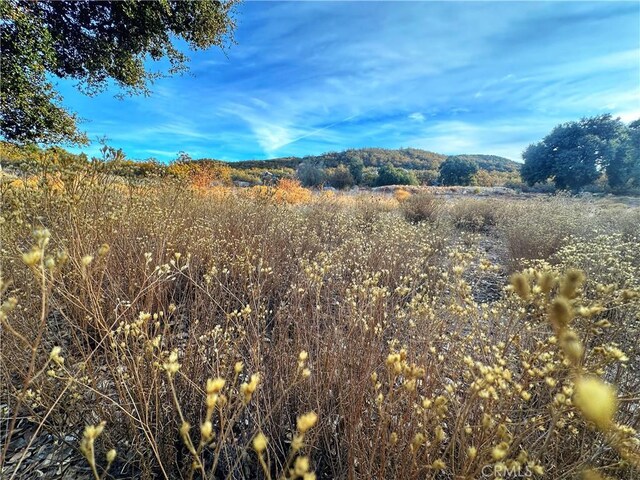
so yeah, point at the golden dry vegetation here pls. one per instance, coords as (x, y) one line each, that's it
(166, 329)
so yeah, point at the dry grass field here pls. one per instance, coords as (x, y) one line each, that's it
(159, 330)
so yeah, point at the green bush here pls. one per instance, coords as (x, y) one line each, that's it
(390, 175)
(457, 171)
(311, 174)
(427, 177)
(340, 177)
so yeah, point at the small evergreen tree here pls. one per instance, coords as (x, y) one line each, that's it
(340, 178)
(356, 168)
(457, 171)
(390, 175)
(311, 173)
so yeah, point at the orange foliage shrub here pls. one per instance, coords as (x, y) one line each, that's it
(286, 191)
(217, 192)
(201, 175)
(260, 193)
(55, 183)
(290, 191)
(17, 184)
(401, 195)
(32, 182)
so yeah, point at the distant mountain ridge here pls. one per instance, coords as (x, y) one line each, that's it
(408, 158)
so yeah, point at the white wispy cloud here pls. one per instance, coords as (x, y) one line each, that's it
(498, 137)
(308, 77)
(628, 115)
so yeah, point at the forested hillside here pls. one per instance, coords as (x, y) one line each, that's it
(409, 158)
(337, 169)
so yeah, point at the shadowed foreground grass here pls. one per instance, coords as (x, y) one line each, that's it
(276, 333)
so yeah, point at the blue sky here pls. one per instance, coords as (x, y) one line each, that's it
(451, 77)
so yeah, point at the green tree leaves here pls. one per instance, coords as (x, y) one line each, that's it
(341, 178)
(457, 171)
(576, 154)
(29, 107)
(94, 43)
(356, 168)
(311, 173)
(624, 169)
(390, 175)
